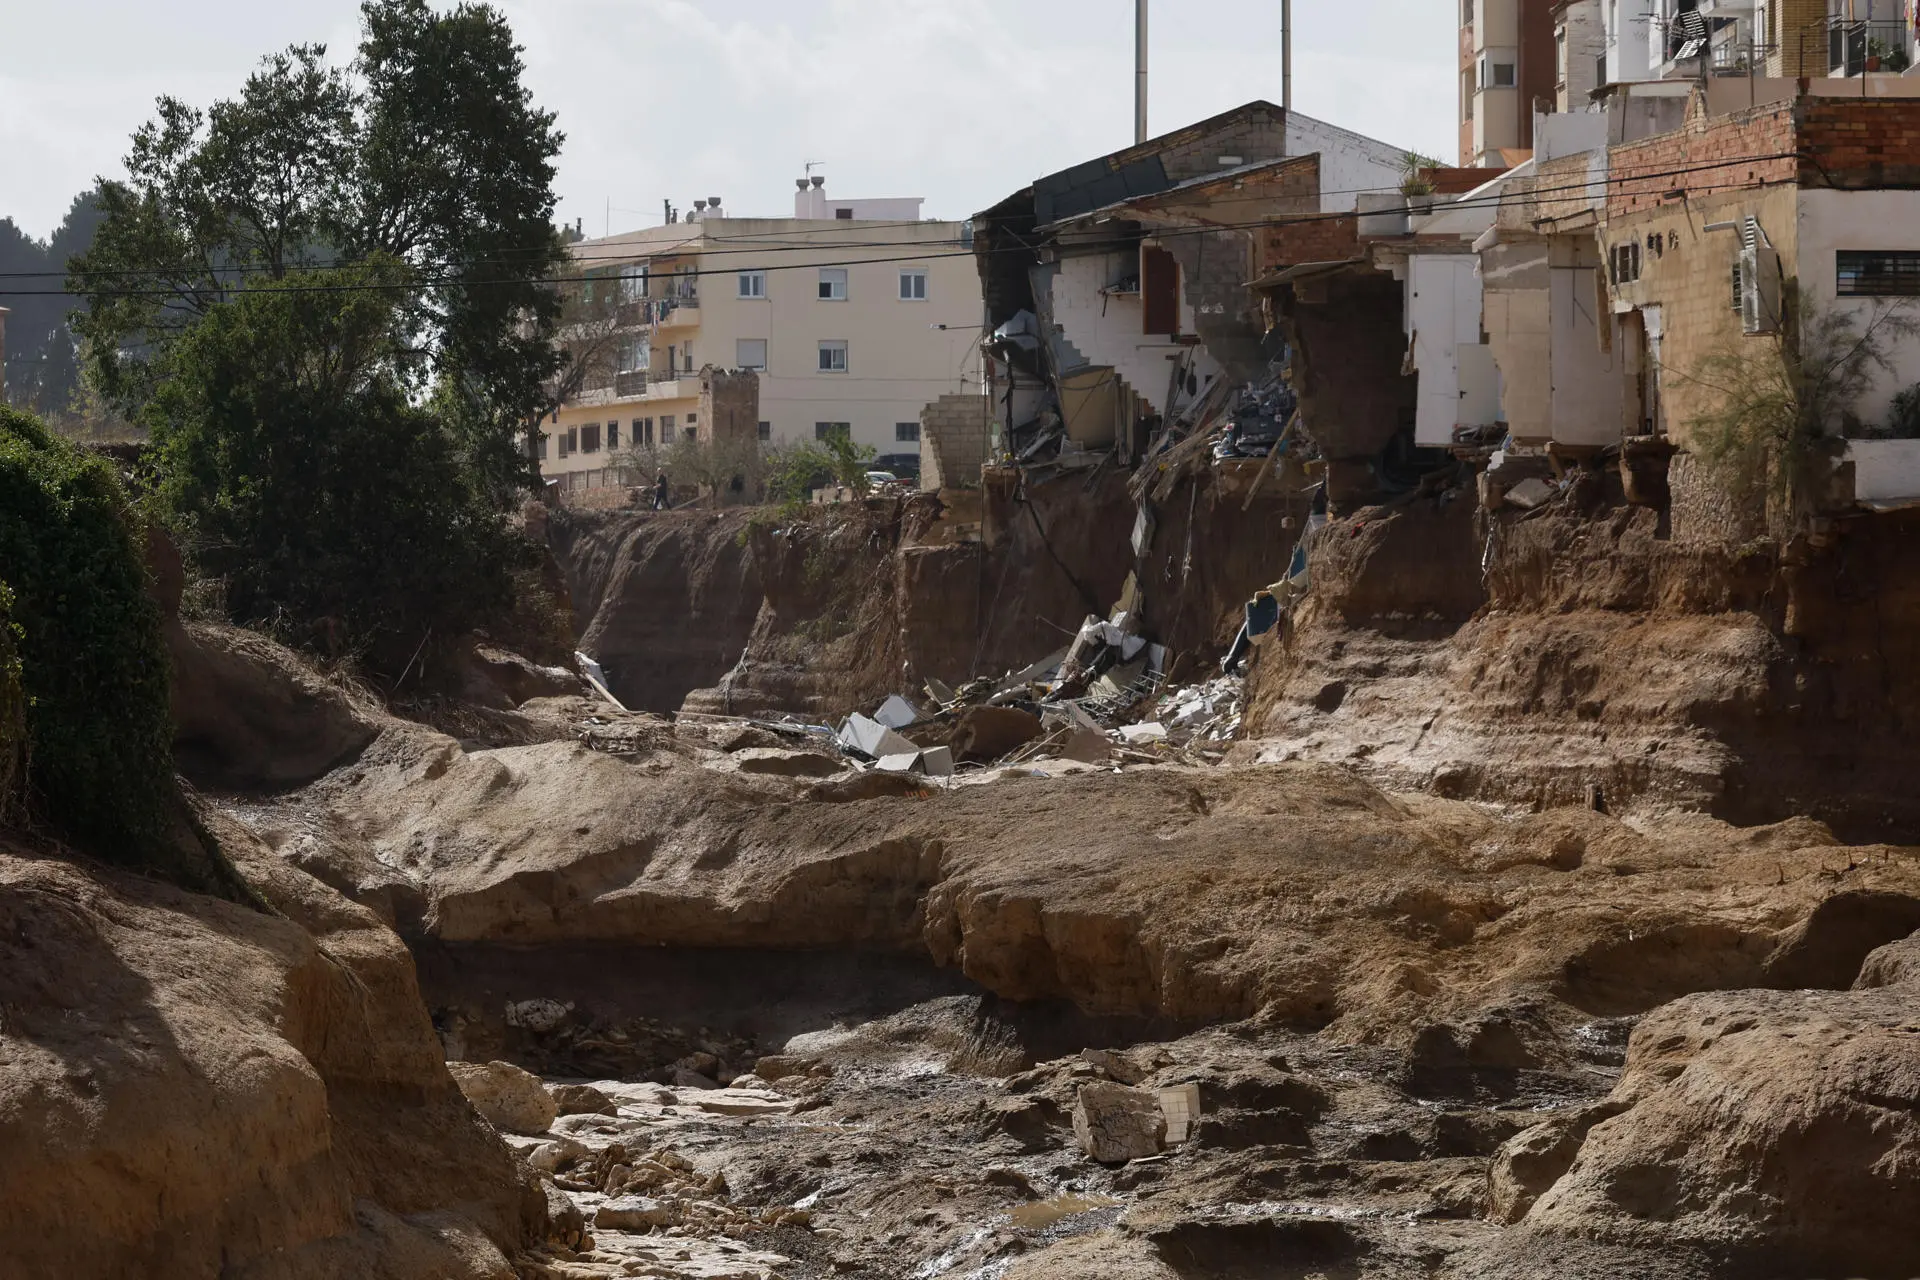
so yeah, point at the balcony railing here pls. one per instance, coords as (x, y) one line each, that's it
(1857, 46)
(631, 383)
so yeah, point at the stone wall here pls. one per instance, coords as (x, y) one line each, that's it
(730, 404)
(953, 441)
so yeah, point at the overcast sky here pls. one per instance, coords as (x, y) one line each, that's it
(959, 102)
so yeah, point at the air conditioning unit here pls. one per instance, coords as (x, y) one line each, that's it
(1759, 282)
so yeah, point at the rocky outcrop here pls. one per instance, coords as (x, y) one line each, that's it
(193, 1088)
(250, 715)
(1773, 1131)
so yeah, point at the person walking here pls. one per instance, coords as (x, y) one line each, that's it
(661, 493)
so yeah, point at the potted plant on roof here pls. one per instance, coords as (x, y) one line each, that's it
(1416, 181)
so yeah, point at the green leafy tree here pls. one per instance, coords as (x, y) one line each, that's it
(329, 297)
(335, 510)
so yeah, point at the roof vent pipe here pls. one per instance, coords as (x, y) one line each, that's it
(1286, 55)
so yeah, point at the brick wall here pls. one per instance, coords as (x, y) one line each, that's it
(1260, 136)
(1287, 244)
(1704, 156)
(953, 441)
(1857, 143)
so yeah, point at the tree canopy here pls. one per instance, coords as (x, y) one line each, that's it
(43, 356)
(329, 300)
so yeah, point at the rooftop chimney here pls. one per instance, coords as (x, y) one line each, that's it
(1139, 71)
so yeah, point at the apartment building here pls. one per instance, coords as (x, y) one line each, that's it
(1507, 65)
(854, 315)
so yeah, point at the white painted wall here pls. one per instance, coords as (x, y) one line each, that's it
(1587, 381)
(1107, 330)
(1515, 283)
(1885, 470)
(1833, 220)
(1442, 314)
(1349, 162)
(1630, 40)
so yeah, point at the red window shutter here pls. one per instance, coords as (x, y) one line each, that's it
(1159, 292)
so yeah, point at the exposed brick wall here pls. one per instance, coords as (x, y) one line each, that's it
(1859, 142)
(1707, 154)
(1214, 270)
(953, 441)
(1318, 239)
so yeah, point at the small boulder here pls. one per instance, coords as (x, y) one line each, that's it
(1534, 1159)
(780, 1066)
(506, 1097)
(1894, 965)
(1115, 1123)
(556, 1153)
(636, 1213)
(582, 1100)
(566, 1225)
(1117, 1065)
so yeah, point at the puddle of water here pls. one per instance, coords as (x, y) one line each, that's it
(1042, 1214)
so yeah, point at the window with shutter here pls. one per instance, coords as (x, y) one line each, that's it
(1159, 292)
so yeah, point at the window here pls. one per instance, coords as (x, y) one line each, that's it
(666, 428)
(913, 284)
(644, 430)
(1623, 264)
(1467, 92)
(906, 432)
(590, 438)
(570, 442)
(753, 284)
(635, 355)
(691, 419)
(844, 215)
(750, 353)
(832, 430)
(766, 431)
(833, 357)
(833, 284)
(1496, 75)
(613, 436)
(1877, 273)
(633, 284)
(543, 446)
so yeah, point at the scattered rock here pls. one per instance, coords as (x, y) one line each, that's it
(738, 1102)
(636, 1213)
(1117, 1065)
(565, 1223)
(507, 1097)
(1115, 1123)
(582, 1100)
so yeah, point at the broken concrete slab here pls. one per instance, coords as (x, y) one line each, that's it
(897, 713)
(1530, 493)
(1115, 1123)
(1138, 733)
(871, 738)
(1088, 746)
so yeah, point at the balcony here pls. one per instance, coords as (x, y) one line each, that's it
(630, 384)
(1860, 46)
(679, 312)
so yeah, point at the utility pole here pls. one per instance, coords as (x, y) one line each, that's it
(1286, 54)
(1139, 71)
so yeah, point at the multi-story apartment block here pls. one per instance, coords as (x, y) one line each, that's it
(1818, 39)
(854, 314)
(1507, 67)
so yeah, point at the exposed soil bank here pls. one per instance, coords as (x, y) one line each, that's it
(1526, 661)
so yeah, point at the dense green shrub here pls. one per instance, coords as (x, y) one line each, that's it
(91, 662)
(300, 473)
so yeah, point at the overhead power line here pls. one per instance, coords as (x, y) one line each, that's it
(444, 281)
